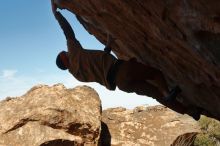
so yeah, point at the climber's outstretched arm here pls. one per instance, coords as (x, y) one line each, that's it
(66, 27)
(108, 48)
(53, 6)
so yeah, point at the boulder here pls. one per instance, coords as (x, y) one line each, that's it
(180, 38)
(54, 115)
(144, 126)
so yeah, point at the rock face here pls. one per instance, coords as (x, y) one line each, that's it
(145, 126)
(56, 116)
(181, 38)
(51, 115)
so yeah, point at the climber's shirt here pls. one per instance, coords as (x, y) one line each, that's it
(90, 65)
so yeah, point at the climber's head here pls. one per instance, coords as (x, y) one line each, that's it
(62, 60)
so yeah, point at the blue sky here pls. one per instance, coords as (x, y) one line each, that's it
(30, 40)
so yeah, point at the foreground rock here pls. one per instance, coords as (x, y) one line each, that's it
(179, 37)
(56, 116)
(51, 115)
(145, 126)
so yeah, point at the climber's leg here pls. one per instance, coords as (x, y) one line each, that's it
(130, 78)
(194, 112)
(139, 87)
(174, 105)
(157, 78)
(133, 71)
(144, 88)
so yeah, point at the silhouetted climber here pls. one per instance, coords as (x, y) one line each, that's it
(102, 67)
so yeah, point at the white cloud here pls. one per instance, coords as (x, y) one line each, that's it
(8, 74)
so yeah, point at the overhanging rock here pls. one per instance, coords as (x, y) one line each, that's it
(181, 38)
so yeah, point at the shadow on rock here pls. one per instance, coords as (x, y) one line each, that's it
(105, 137)
(59, 142)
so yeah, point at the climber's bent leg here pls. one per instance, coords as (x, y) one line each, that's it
(158, 79)
(133, 71)
(174, 105)
(129, 80)
(140, 88)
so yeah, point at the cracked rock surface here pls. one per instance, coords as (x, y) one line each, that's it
(47, 115)
(145, 126)
(56, 116)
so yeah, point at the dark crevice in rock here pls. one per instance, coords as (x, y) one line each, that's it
(21, 123)
(217, 19)
(60, 142)
(78, 129)
(52, 125)
(105, 135)
(82, 130)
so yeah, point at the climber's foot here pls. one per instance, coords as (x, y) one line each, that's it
(173, 94)
(195, 113)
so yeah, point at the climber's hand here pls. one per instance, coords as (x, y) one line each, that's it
(107, 49)
(110, 41)
(54, 7)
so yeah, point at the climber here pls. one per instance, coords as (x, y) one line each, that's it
(103, 68)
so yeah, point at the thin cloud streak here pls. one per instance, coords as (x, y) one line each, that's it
(8, 74)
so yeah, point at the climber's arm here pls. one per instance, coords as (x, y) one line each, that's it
(66, 27)
(108, 48)
(53, 6)
(72, 43)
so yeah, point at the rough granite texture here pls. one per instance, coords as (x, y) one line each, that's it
(47, 115)
(145, 126)
(56, 116)
(179, 37)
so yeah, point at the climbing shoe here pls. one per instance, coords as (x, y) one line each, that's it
(173, 94)
(195, 113)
